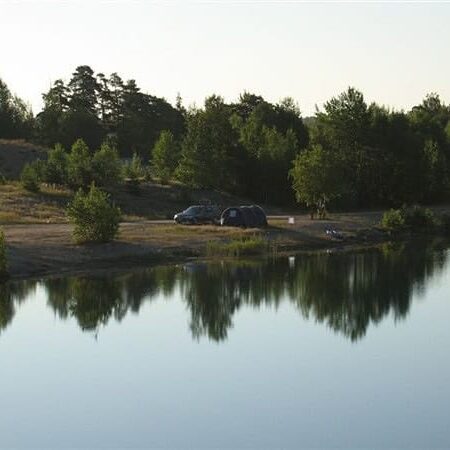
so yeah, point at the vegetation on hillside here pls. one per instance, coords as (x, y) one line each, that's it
(352, 154)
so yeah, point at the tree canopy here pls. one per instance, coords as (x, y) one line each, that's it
(251, 147)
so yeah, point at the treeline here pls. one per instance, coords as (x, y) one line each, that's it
(16, 118)
(353, 153)
(368, 155)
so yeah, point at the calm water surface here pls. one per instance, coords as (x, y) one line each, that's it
(329, 350)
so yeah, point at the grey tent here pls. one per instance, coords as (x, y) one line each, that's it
(244, 216)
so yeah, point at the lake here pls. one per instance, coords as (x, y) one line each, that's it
(331, 349)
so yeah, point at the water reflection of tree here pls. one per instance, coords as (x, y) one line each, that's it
(346, 291)
(11, 295)
(93, 301)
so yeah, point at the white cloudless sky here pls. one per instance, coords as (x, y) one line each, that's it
(394, 52)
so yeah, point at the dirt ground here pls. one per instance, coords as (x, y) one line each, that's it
(36, 250)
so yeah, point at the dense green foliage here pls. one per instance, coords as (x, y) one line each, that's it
(414, 218)
(31, 176)
(165, 156)
(134, 169)
(77, 169)
(246, 148)
(351, 154)
(106, 166)
(92, 106)
(79, 165)
(418, 217)
(16, 118)
(389, 157)
(393, 220)
(317, 178)
(56, 166)
(206, 157)
(94, 217)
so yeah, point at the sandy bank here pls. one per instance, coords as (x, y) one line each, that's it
(36, 250)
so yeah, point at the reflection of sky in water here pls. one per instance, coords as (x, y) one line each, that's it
(278, 379)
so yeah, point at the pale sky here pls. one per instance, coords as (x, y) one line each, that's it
(394, 53)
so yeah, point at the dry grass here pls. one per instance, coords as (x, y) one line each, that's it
(20, 206)
(152, 202)
(239, 246)
(172, 235)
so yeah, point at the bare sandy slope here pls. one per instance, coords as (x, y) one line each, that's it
(14, 154)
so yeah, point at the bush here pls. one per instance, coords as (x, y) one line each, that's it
(31, 176)
(134, 172)
(393, 219)
(3, 257)
(95, 218)
(418, 217)
(56, 167)
(79, 165)
(2, 178)
(415, 217)
(165, 156)
(106, 166)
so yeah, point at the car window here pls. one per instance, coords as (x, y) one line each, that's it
(193, 210)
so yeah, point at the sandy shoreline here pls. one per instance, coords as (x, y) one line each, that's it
(42, 250)
(38, 250)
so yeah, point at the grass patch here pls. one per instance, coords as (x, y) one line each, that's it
(245, 246)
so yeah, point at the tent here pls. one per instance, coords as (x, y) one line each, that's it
(244, 216)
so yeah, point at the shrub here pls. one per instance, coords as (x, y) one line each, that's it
(134, 172)
(418, 217)
(415, 217)
(95, 218)
(3, 257)
(2, 178)
(106, 166)
(79, 165)
(31, 176)
(393, 219)
(56, 167)
(134, 169)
